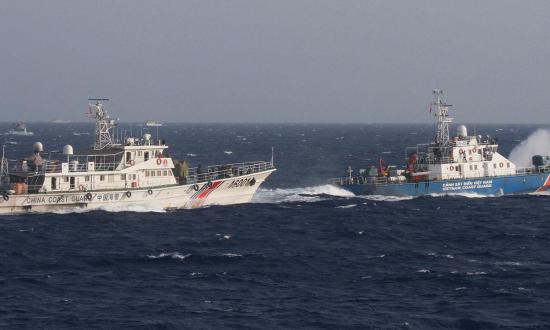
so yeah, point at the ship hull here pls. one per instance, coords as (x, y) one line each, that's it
(489, 186)
(236, 190)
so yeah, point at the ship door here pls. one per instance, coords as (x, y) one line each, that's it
(54, 183)
(146, 156)
(72, 182)
(485, 169)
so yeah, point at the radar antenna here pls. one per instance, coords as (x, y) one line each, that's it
(103, 124)
(4, 169)
(443, 121)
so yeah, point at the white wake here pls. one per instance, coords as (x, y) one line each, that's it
(307, 194)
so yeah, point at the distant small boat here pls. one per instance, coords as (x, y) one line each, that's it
(19, 129)
(152, 123)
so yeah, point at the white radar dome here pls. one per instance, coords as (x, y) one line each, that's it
(68, 149)
(147, 137)
(38, 147)
(462, 131)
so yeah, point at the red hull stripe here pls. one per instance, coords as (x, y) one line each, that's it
(207, 192)
(545, 186)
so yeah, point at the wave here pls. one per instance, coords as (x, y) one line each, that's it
(327, 192)
(172, 255)
(111, 208)
(307, 194)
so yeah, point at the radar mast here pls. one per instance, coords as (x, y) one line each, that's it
(103, 124)
(4, 170)
(443, 121)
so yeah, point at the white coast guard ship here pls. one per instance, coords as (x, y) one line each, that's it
(462, 164)
(137, 172)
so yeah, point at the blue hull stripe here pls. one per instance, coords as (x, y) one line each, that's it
(517, 184)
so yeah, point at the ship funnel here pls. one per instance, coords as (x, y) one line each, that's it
(462, 131)
(37, 147)
(68, 149)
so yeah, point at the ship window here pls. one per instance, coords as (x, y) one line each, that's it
(479, 151)
(123, 177)
(139, 153)
(102, 178)
(146, 173)
(471, 167)
(475, 167)
(458, 168)
(128, 157)
(165, 173)
(66, 178)
(133, 176)
(159, 173)
(87, 178)
(153, 173)
(508, 165)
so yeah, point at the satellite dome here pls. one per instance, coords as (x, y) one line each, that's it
(68, 149)
(462, 131)
(38, 147)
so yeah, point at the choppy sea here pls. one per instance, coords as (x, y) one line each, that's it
(303, 255)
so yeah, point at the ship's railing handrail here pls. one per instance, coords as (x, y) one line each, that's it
(358, 179)
(216, 172)
(56, 167)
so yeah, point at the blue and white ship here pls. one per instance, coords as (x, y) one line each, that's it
(458, 165)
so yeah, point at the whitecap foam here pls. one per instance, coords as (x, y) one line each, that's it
(307, 194)
(173, 255)
(111, 208)
(346, 206)
(382, 198)
(232, 255)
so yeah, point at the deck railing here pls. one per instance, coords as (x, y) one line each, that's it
(358, 179)
(217, 172)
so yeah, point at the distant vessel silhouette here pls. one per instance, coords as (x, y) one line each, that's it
(19, 129)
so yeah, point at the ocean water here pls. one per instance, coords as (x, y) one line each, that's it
(303, 255)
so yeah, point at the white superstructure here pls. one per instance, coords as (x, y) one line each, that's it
(136, 171)
(459, 157)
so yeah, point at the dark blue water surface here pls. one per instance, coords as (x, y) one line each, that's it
(303, 255)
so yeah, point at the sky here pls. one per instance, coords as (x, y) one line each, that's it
(243, 61)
